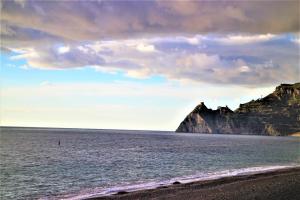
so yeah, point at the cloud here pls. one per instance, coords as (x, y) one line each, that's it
(63, 49)
(241, 42)
(296, 40)
(145, 48)
(97, 20)
(267, 61)
(62, 57)
(245, 39)
(244, 69)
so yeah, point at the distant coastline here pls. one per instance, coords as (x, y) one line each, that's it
(68, 128)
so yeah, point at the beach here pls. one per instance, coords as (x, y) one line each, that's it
(276, 184)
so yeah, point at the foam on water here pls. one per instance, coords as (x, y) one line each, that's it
(98, 192)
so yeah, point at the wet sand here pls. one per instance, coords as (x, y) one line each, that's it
(283, 184)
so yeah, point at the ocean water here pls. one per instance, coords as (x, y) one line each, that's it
(103, 162)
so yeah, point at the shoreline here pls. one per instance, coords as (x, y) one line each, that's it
(281, 183)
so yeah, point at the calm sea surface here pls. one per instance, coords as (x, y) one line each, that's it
(88, 162)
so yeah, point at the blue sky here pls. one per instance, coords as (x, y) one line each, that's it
(79, 64)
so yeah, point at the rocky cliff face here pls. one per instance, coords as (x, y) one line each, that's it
(276, 114)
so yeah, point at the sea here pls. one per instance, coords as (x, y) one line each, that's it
(49, 163)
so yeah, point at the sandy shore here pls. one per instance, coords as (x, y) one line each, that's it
(283, 184)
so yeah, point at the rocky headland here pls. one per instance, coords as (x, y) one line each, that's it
(277, 114)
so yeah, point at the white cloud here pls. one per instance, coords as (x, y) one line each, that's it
(246, 39)
(296, 40)
(105, 69)
(24, 53)
(193, 40)
(244, 69)
(192, 62)
(63, 49)
(145, 48)
(57, 58)
(179, 58)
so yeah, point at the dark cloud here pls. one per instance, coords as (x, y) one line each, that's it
(91, 20)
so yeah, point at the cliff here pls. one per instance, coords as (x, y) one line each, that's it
(276, 114)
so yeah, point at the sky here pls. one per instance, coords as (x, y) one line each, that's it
(140, 64)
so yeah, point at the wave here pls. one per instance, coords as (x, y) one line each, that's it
(97, 192)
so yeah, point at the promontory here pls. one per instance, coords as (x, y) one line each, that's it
(277, 114)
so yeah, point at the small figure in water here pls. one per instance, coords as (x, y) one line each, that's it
(58, 142)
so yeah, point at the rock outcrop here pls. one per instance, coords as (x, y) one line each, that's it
(276, 114)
